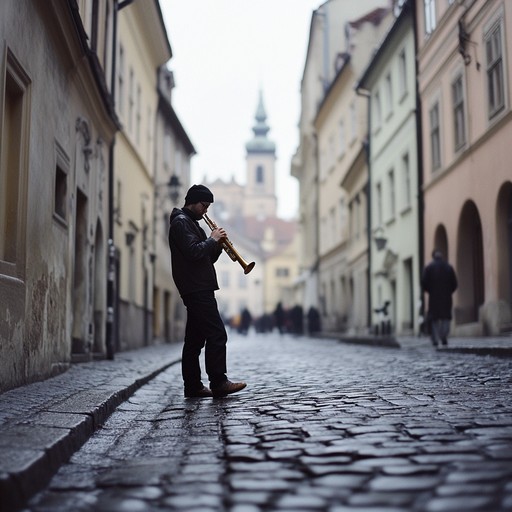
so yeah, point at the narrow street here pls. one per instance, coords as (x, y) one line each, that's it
(322, 426)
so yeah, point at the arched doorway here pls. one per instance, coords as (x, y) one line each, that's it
(99, 291)
(441, 241)
(504, 238)
(470, 265)
(80, 342)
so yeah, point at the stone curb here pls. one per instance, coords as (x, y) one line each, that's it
(374, 341)
(392, 342)
(480, 351)
(33, 453)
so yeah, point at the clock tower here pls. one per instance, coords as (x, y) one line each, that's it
(260, 198)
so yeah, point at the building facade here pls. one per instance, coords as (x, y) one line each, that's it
(78, 247)
(327, 50)
(57, 124)
(172, 156)
(465, 76)
(142, 49)
(341, 126)
(394, 177)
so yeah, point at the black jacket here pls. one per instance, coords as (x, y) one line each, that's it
(439, 281)
(192, 254)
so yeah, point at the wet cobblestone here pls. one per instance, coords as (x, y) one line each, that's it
(321, 426)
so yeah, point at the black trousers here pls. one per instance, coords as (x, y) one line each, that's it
(204, 328)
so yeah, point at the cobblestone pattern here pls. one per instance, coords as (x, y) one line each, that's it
(321, 427)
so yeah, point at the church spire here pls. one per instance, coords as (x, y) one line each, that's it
(260, 143)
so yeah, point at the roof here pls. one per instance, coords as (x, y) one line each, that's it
(406, 10)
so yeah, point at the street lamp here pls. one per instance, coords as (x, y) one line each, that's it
(174, 186)
(380, 239)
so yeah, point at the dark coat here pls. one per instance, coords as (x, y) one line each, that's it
(192, 254)
(439, 281)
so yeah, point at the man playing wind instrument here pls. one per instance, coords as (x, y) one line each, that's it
(193, 255)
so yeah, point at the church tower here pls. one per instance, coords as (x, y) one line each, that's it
(260, 194)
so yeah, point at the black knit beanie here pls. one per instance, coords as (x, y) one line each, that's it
(198, 194)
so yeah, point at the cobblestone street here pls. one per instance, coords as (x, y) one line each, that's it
(322, 426)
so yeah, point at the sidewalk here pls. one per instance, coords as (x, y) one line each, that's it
(44, 423)
(499, 346)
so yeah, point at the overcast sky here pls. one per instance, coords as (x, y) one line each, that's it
(224, 51)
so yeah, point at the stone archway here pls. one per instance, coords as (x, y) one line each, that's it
(441, 241)
(99, 292)
(470, 265)
(504, 256)
(80, 341)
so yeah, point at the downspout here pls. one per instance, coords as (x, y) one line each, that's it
(419, 150)
(316, 265)
(366, 94)
(111, 279)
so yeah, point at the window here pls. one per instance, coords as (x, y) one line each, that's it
(353, 121)
(430, 16)
(282, 272)
(332, 152)
(407, 180)
(14, 123)
(378, 111)
(379, 204)
(402, 73)
(458, 113)
(389, 95)
(120, 80)
(118, 201)
(358, 216)
(435, 140)
(259, 174)
(342, 215)
(351, 218)
(138, 115)
(61, 185)
(494, 62)
(342, 138)
(392, 199)
(167, 150)
(131, 101)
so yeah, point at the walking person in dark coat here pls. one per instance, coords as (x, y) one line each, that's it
(439, 281)
(192, 256)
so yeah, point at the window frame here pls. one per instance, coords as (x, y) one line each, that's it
(12, 70)
(494, 108)
(458, 110)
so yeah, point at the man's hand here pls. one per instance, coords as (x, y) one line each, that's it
(219, 234)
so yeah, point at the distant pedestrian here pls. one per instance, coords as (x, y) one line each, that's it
(193, 255)
(279, 319)
(245, 321)
(439, 281)
(313, 321)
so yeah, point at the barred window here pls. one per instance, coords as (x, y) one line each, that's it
(495, 78)
(435, 139)
(458, 113)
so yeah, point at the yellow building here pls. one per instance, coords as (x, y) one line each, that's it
(143, 48)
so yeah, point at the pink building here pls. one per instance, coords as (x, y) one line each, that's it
(465, 77)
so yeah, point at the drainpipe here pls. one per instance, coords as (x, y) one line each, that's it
(111, 335)
(316, 264)
(366, 94)
(419, 150)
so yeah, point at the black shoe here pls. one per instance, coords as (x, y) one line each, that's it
(204, 392)
(444, 341)
(228, 387)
